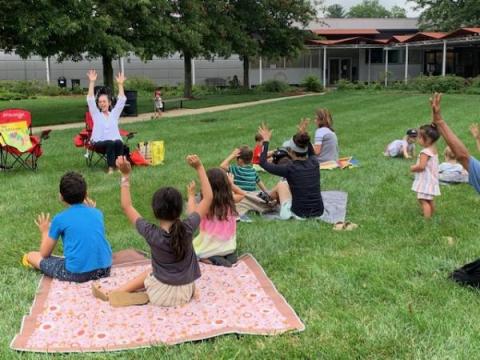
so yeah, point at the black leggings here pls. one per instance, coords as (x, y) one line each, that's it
(112, 148)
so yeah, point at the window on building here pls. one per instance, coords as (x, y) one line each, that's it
(376, 55)
(394, 57)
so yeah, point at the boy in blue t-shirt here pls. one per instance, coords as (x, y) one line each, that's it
(88, 255)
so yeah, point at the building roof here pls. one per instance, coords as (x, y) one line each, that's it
(463, 32)
(326, 32)
(422, 36)
(406, 24)
(349, 40)
(400, 38)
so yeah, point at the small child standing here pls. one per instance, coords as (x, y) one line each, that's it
(158, 103)
(87, 253)
(171, 279)
(216, 241)
(426, 183)
(403, 148)
(450, 171)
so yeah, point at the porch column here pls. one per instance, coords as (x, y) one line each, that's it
(47, 68)
(444, 58)
(193, 71)
(324, 66)
(406, 63)
(369, 65)
(260, 71)
(386, 67)
(310, 62)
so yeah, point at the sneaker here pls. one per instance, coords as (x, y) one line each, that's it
(244, 218)
(220, 261)
(232, 258)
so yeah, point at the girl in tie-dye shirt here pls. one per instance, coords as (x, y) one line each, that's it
(426, 183)
(217, 241)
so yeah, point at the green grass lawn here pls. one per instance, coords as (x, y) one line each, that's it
(378, 292)
(69, 109)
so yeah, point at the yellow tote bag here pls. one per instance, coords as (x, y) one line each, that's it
(157, 149)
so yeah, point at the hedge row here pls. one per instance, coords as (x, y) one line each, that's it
(424, 84)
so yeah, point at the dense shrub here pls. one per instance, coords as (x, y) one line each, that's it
(12, 90)
(140, 83)
(343, 84)
(312, 83)
(6, 96)
(274, 86)
(445, 84)
(475, 82)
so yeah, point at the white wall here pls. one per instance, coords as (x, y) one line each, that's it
(161, 70)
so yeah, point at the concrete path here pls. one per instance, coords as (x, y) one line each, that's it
(178, 112)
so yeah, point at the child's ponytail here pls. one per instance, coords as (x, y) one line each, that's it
(178, 235)
(167, 204)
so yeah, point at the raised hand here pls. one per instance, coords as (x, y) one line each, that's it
(303, 125)
(191, 188)
(120, 78)
(92, 75)
(475, 130)
(265, 132)
(435, 104)
(43, 222)
(123, 165)
(90, 202)
(235, 153)
(194, 161)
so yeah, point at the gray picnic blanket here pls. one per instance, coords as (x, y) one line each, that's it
(334, 202)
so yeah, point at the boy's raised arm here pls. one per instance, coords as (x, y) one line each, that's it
(226, 163)
(125, 199)
(207, 194)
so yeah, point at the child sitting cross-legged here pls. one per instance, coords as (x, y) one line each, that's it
(247, 179)
(216, 242)
(87, 253)
(171, 280)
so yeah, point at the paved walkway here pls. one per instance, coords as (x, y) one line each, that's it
(178, 112)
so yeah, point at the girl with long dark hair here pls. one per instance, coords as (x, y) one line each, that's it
(171, 281)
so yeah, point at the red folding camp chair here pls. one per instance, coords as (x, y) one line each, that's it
(11, 157)
(95, 155)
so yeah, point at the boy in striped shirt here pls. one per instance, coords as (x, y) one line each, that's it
(246, 178)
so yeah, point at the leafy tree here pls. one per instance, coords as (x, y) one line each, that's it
(268, 28)
(398, 12)
(447, 15)
(368, 9)
(74, 29)
(199, 29)
(335, 11)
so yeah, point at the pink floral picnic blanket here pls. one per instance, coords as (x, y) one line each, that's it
(65, 317)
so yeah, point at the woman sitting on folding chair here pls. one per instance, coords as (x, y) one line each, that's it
(105, 134)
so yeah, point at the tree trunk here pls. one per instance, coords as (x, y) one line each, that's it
(187, 89)
(107, 72)
(246, 72)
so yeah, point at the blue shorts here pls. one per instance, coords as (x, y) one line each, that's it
(54, 267)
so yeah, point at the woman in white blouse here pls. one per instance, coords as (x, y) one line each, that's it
(105, 132)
